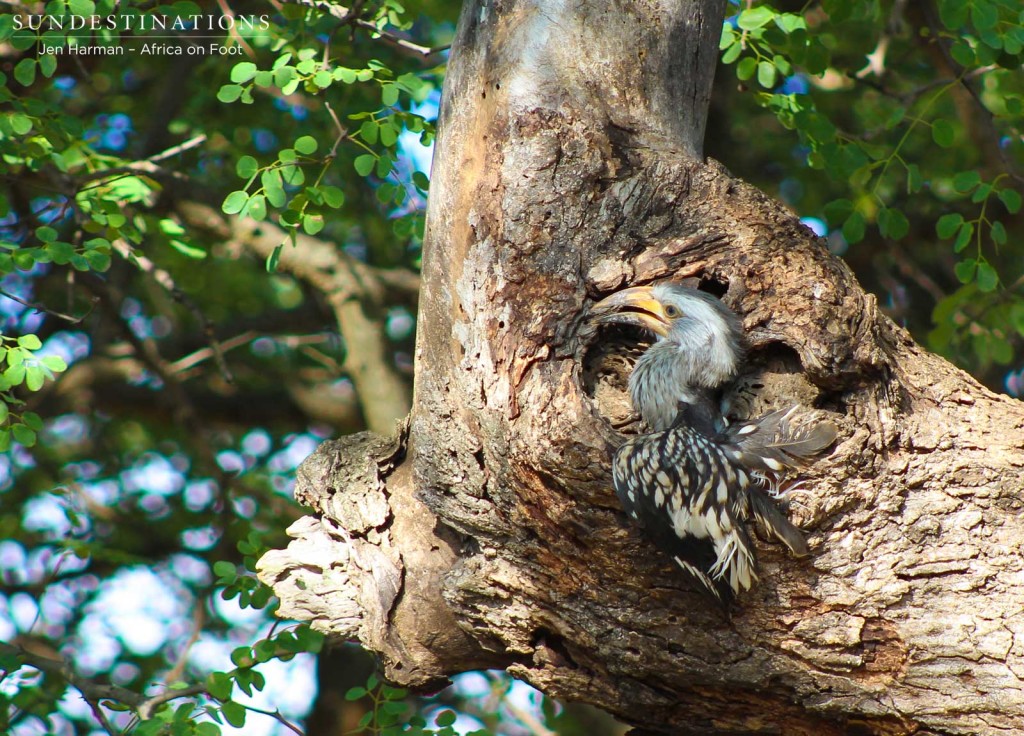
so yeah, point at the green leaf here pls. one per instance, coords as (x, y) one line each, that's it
(219, 684)
(293, 175)
(247, 167)
(984, 15)
(369, 131)
(988, 279)
(312, 224)
(306, 145)
(25, 71)
(47, 65)
(61, 252)
(204, 728)
(1017, 317)
(20, 124)
(854, 228)
(34, 378)
(355, 693)
(948, 224)
(965, 181)
(953, 13)
(754, 18)
(896, 224)
(915, 180)
(746, 68)
(234, 202)
(14, 375)
(225, 571)
(4, 413)
(837, 211)
(1002, 351)
(943, 133)
(962, 53)
(284, 75)
(965, 270)
(1011, 200)
(790, 22)
(187, 250)
(98, 260)
(323, 79)
(274, 258)
(364, 164)
(258, 207)
(241, 657)
(23, 435)
(766, 74)
(385, 192)
(389, 94)
(233, 713)
(732, 53)
(273, 187)
(333, 196)
(81, 7)
(229, 93)
(242, 72)
(445, 718)
(963, 237)
(420, 180)
(29, 342)
(55, 363)
(32, 420)
(345, 75)
(999, 233)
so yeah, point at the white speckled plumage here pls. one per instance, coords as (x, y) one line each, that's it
(693, 481)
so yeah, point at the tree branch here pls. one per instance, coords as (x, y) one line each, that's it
(356, 292)
(347, 16)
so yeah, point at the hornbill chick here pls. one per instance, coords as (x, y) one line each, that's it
(695, 480)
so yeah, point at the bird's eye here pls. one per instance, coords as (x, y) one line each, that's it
(672, 311)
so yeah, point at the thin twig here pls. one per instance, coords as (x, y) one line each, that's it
(180, 148)
(233, 32)
(424, 51)
(147, 166)
(51, 312)
(342, 130)
(165, 280)
(146, 707)
(276, 715)
(198, 621)
(987, 118)
(89, 689)
(193, 359)
(350, 16)
(100, 716)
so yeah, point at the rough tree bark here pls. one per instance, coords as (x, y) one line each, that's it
(487, 534)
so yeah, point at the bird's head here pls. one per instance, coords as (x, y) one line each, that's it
(699, 348)
(671, 312)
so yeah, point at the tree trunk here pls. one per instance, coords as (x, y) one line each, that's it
(487, 534)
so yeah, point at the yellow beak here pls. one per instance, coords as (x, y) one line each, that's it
(634, 306)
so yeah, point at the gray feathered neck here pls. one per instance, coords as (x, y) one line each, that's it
(699, 355)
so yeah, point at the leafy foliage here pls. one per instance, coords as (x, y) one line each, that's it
(922, 140)
(165, 364)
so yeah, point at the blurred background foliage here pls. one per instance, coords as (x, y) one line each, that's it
(209, 263)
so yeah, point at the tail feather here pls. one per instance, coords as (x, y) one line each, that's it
(770, 519)
(772, 442)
